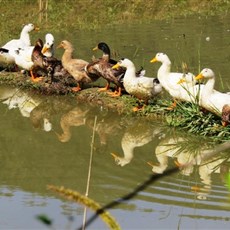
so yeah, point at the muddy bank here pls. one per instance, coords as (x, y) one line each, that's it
(63, 86)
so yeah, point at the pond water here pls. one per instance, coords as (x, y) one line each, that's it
(49, 140)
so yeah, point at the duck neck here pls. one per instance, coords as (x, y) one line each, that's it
(106, 52)
(164, 69)
(106, 57)
(209, 86)
(128, 151)
(67, 56)
(130, 72)
(25, 37)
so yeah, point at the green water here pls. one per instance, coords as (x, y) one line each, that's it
(33, 155)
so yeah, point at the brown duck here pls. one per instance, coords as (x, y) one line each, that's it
(102, 67)
(76, 67)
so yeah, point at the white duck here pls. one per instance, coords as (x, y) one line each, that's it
(211, 99)
(48, 48)
(24, 58)
(15, 44)
(142, 87)
(179, 85)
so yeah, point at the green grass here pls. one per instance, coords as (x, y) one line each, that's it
(191, 118)
(83, 14)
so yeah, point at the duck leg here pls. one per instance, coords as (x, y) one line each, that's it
(33, 78)
(138, 108)
(106, 88)
(171, 107)
(141, 105)
(117, 93)
(77, 88)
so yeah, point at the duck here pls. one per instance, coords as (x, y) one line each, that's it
(15, 44)
(37, 58)
(181, 86)
(49, 64)
(47, 48)
(102, 67)
(142, 87)
(76, 67)
(28, 60)
(34, 57)
(211, 99)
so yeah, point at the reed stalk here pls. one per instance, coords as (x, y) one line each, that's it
(89, 171)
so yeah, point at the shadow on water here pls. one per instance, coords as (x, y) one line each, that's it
(52, 139)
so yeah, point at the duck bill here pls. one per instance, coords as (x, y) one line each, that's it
(115, 156)
(95, 48)
(152, 164)
(199, 76)
(36, 28)
(116, 66)
(153, 60)
(44, 49)
(59, 46)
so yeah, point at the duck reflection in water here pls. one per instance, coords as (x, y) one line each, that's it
(23, 101)
(75, 117)
(43, 115)
(137, 134)
(107, 123)
(178, 150)
(26, 103)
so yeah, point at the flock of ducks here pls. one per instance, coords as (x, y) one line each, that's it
(122, 73)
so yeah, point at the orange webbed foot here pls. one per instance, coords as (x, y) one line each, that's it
(115, 93)
(173, 106)
(37, 79)
(138, 108)
(76, 89)
(106, 88)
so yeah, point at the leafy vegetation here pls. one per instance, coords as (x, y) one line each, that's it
(189, 117)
